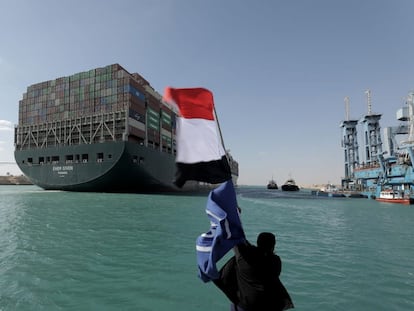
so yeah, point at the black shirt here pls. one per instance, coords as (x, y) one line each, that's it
(257, 278)
(250, 279)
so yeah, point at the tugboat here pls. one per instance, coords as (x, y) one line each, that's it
(395, 196)
(290, 185)
(272, 184)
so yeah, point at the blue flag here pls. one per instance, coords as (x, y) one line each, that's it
(225, 232)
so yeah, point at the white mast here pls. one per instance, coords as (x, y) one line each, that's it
(368, 92)
(410, 102)
(346, 99)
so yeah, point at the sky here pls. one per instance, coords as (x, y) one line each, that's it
(279, 69)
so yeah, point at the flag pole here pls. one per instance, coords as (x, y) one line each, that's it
(221, 135)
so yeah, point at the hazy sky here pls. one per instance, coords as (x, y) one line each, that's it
(279, 70)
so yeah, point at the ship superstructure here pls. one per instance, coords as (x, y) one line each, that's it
(101, 130)
(385, 166)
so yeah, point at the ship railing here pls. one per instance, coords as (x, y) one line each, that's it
(75, 131)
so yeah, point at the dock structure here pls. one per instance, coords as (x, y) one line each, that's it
(350, 145)
(372, 138)
(386, 161)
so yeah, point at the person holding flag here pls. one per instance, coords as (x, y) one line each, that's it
(250, 279)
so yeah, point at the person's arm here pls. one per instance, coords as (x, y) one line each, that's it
(241, 248)
(277, 265)
(227, 282)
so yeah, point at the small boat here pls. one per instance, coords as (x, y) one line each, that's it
(272, 184)
(321, 193)
(290, 185)
(329, 190)
(394, 196)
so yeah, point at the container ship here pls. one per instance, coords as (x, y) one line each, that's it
(386, 171)
(103, 130)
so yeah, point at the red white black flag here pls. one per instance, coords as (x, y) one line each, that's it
(200, 153)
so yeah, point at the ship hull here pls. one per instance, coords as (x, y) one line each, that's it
(405, 201)
(272, 185)
(290, 188)
(109, 167)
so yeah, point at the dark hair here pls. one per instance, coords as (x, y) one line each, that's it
(266, 241)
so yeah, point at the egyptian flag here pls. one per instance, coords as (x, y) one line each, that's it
(225, 231)
(200, 153)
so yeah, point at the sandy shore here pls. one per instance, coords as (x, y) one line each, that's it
(14, 180)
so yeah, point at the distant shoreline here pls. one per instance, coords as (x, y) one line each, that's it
(14, 180)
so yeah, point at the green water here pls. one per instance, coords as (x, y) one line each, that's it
(94, 251)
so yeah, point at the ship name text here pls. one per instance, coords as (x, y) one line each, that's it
(63, 168)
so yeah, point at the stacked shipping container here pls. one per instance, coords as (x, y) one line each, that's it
(98, 92)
